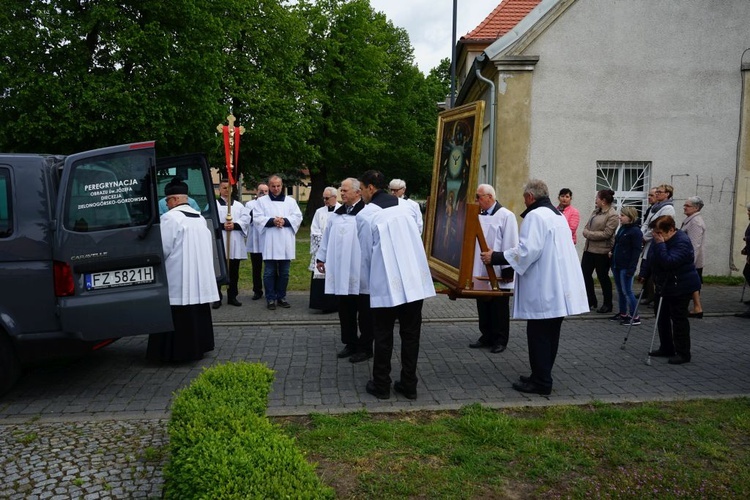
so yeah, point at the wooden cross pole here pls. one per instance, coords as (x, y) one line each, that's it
(232, 153)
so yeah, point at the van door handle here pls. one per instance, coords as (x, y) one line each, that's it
(144, 232)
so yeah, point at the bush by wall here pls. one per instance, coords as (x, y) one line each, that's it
(223, 446)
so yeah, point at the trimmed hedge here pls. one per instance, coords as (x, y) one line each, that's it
(223, 446)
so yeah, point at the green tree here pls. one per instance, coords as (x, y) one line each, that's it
(367, 95)
(83, 74)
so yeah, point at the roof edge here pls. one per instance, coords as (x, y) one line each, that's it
(522, 28)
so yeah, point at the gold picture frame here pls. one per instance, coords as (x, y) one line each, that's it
(454, 181)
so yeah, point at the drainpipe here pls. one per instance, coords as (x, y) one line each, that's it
(491, 153)
(453, 56)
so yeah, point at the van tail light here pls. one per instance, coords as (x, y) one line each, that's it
(103, 343)
(64, 285)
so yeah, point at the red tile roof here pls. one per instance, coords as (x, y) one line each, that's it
(501, 20)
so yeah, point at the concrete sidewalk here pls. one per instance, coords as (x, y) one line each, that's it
(718, 301)
(300, 345)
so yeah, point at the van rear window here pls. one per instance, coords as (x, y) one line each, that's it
(109, 192)
(6, 209)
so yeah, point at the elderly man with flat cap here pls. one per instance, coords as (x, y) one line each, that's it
(188, 247)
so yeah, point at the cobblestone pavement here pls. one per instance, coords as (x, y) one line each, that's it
(96, 427)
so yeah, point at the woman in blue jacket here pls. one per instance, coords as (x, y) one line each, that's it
(670, 262)
(625, 255)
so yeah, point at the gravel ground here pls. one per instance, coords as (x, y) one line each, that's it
(90, 460)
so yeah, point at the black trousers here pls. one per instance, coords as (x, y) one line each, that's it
(256, 260)
(409, 317)
(543, 337)
(494, 320)
(354, 311)
(674, 325)
(234, 278)
(600, 263)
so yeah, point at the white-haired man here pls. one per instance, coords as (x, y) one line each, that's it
(501, 232)
(397, 188)
(318, 297)
(339, 257)
(548, 283)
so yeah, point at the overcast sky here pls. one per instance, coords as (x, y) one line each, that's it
(430, 24)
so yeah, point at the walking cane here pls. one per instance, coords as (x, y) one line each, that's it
(635, 313)
(744, 285)
(656, 325)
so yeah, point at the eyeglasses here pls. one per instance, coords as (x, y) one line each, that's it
(396, 190)
(326, 198)
(477, 196)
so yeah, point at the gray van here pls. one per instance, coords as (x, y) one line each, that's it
(81, 261)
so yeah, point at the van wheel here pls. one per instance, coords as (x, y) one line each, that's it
(10, 367)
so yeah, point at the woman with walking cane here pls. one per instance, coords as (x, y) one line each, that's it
(671, 264)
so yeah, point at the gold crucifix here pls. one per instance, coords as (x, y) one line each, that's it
(229, 132)
(220, 128)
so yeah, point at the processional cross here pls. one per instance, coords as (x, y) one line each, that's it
(231, 154)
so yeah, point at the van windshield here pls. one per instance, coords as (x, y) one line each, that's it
(109, 192)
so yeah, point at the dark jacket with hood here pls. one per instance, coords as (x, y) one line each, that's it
(671, 265)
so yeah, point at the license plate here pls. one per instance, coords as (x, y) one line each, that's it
(121, 277)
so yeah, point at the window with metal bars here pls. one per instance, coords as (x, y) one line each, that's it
(630, 180)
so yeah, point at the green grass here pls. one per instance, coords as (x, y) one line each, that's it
(695, 449)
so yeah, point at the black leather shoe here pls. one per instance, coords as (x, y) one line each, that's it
(360, 356)
(524, 378)
(477, 345)
(271, 306)
(257, 295)
(497, 348)
(604, 310)
(399, 387)
(216, 304)
(696, 315)
(346, 352)
(283, 303)
(678, 360)
(659, 354)
(745, 314)
(234, 302)
(371, 389)
(532, 388)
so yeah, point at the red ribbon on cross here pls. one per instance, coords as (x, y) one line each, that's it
(232, 169)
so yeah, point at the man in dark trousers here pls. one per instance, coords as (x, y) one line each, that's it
(339, 257)
(395, 271)
(548, 283)
(501, 232)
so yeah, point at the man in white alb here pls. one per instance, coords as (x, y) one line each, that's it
(278, 219)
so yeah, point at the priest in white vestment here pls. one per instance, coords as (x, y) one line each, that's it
(253, 243)
(398, 279)
(501, 232)
(234, 234)
(319, 299)
(339, 258)
(188, 248)
(278, 219)
(548, 283)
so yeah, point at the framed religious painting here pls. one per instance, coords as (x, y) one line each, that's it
(454, 182)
